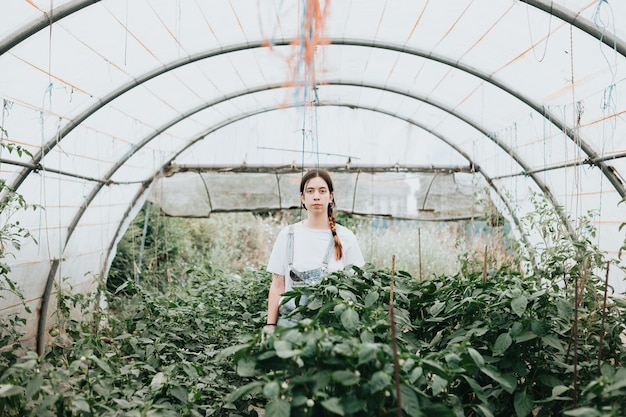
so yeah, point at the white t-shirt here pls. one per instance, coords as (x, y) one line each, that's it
(309, 249)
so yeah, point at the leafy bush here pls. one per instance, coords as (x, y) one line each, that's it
(223, 243)
(155, 357)
(467, 346)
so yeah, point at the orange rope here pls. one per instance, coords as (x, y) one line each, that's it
(312, 31)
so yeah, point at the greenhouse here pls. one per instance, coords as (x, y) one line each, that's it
(137, 135)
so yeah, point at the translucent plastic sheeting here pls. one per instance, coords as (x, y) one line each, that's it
(118, 101)
(410, 196)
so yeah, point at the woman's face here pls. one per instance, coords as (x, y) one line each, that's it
(316, 196)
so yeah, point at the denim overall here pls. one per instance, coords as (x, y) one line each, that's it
(300, 279)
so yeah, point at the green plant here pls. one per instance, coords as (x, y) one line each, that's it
(155, 355)
(483, 342)
(12, 234)
(468, 346)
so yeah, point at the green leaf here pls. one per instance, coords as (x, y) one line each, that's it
(553, 341)
(583, 412)
(558, 390)
(523, 404)
(565, 310)
(81, 405)
(507, 382)
(271, 390)
(8, 390)
(322, 379)
(230, 351)
(539, 327)
(347, 295)
(350, 320)
(525, 336)
(620, 380)
(438, 384)
(352, 405)
(283, 349)
(34, 385)
(180, 393)
(380, 380)
(416, 373)
(158, 380)
(26, 365)
(476, 357)
(434, 367)
(299, 400)
(436, 308)
(475, 386)
(367, 352)
(409, 401)
(518, 305)
(101, 364)
(484, 410)
(277, 408)
(334, 406)
(503, 342)
(371, 298)
(315, 304)
(346, 377)
(246, 367)
(516, 329)
(243, 391)
(438, 410)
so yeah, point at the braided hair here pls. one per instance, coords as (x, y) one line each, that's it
(323, 174)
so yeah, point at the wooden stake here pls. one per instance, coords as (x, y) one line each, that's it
(394, 344)
(606, 287)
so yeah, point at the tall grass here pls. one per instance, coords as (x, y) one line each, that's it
(425, 249)
(238, 242)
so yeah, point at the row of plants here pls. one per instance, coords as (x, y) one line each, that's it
(152, 353)
(539, 336)
(466, 345)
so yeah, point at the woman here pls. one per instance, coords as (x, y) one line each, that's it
(307, 250)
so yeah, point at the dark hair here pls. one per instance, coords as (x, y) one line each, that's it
(323, 174)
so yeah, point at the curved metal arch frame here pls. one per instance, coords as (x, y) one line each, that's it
(550, 8)
(213, 129)
(552, 118)
(68, 9)
(228, 122)
(584, 25)
(107, 177)
(542, 186)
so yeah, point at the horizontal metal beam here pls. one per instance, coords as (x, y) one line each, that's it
(295, 168)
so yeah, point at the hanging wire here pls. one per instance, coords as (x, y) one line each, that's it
(609, 105)
(126, 34)
(577, 110)
(547, 38)
(312, 19)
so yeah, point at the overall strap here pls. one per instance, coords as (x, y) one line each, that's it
(329, 250)
(290, 246)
